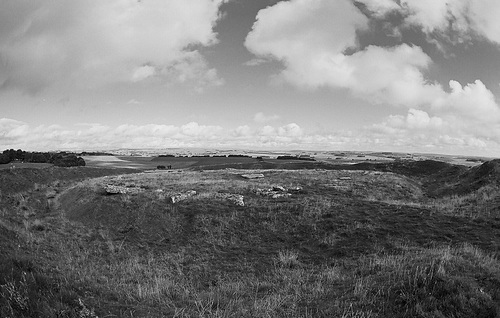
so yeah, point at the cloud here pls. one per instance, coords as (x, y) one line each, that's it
(17, 134)
(290, 130)
(255, 62)
(267, 131)
(143, 72)
(391, 75)
(134, 101)
(242, 131)
(484, 15)
(454, 20)
(11, 129)
(430, 14)
(415, 121)
(262, 118)
(460, 16)
(144, 131)
(316, 43)
(466, 120)
(473, 101)
(420, 132)
(92, 42)
(417, 131)
(192, 68)
(318, 52)
(298, 19)
(452, 126)
(310, 38)
(193, 129)
(380, 7)
(306, 39)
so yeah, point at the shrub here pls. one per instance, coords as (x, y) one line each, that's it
(4, 159)
(68, 161)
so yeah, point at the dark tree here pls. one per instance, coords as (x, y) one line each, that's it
(62, 159)
(67, 160)
(4, 158)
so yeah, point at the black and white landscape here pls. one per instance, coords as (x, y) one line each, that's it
(249, 158)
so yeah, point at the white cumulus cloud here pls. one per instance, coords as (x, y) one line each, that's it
(310, 38)
(290, 130)
(462, 16)
(17, 134)
(380, 7)
(473, 102)
(455, 20)
(316, 42)
(94, 42)
(417, 131)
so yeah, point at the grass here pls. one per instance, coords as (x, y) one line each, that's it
(339, 248)
(482, 203)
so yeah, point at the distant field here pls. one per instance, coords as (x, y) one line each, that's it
(149, 163)
(17, 165)
(211, 163)
(141, 163)
(354, 158)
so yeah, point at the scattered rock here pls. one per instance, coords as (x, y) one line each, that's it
(297, 189)
(114, 189)
(275, 194)
(280, 195)
(279, 189)
(345, 178)
(182, 196)
(253, 176)
(236, 199)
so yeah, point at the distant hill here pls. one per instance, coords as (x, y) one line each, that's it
(440, 178)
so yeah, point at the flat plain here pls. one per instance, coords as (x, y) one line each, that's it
(311, 239)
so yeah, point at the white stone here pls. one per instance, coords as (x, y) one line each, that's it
(253, 176)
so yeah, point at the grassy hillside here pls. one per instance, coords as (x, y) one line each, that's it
(343, 243)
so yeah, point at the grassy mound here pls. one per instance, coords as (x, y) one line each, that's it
(27, 179)
(487, 174)
(346, 244)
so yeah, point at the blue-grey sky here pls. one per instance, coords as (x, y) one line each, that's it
(406, 75)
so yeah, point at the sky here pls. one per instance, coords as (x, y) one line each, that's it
(418, 76)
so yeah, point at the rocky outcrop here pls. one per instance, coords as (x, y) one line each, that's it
(115, 189)
(253, 176)
(178, 197)
(295, 190)
(277, 192)
(236, 199)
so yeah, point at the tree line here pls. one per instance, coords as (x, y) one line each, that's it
(61, 159)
